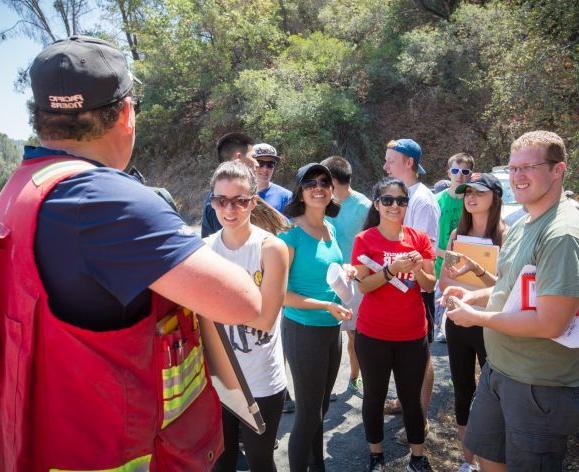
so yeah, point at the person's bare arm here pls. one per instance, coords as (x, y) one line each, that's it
(552, 317)
(275, 261)
(212, 286)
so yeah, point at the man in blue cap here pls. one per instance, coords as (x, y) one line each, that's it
(402, 161)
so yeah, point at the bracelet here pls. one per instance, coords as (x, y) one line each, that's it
(483, 273)
(386, 273)
(388, 270)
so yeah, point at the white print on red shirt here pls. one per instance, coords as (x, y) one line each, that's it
(389, 258)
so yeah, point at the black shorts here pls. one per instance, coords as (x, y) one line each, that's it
(428, 299)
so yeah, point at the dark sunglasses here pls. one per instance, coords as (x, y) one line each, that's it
(218, 201)
(456, 170)
(136, 101)
(266, 164)
(309, 184)
(388, 200)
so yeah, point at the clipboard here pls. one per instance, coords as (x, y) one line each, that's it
(227, 377)
(484, 255)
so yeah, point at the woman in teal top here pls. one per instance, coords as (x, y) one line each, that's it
(312, 313)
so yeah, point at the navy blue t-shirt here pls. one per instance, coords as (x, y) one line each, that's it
(276, 196)
(209, 222)
(102, 239)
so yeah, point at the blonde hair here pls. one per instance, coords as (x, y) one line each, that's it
(551, 142)
(263, 215)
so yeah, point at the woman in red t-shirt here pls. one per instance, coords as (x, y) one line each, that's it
(391, 327)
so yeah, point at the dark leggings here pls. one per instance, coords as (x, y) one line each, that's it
(258, 448)
(377, 359)
(465, 345)
(313, 354)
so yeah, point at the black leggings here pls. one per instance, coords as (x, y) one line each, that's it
(313, 354)
(258, 448)
(465, 345)
(377, 359)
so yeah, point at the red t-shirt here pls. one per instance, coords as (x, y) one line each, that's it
(387, 313)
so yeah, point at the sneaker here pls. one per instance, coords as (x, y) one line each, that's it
(419, 464)
(376, 463)
(467, 467)
(355, 386)
(289, 406)
(392, 407)
(276, 444)
(402, 439)
(241, 465)
(440, 337)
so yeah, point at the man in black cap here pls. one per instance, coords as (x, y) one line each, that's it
(103, 260)
(230, 147)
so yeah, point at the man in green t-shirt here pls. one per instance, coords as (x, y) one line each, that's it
(527, 400)
(459, 170)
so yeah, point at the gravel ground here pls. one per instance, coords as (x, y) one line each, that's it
(346, 449)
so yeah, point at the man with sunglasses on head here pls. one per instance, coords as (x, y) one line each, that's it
(527, 401)
(267, 159)
(460, 168)
(230, 147)
(402, 160)
(95, 266)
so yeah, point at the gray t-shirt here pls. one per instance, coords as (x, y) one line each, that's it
(551, 243)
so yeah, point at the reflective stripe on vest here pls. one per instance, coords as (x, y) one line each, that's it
(182, 384)
(52, 170)
(140, 464)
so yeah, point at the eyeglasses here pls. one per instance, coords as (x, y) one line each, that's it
(388, 200)
(526, 169)
(310, 184)
(457, 170)
(136, 101)
(266, 164)
(241, 203)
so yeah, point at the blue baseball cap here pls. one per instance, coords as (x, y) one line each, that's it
(409, 148)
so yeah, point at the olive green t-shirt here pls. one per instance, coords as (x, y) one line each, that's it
(551, 243)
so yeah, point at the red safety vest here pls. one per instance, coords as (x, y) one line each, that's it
(76, 400)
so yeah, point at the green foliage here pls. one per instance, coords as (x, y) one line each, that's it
(10, 156)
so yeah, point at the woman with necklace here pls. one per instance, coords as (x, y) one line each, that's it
(312, 313)
(391, 328)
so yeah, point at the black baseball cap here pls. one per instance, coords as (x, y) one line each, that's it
(313, 168)
(483, 183)
(78, 74)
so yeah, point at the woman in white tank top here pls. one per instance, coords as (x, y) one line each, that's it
(258, 344)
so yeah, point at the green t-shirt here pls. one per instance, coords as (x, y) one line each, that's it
(307, 274)
(349, 222)
(551, 243)
(450, 211)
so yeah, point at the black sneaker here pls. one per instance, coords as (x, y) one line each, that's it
(419, 464)
(376, 463)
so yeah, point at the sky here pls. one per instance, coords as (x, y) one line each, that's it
(15, 53)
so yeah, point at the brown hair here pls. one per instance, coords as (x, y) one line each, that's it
(340, 168)
(495, 227)
(461, 158)
(551, 142)
(83, 126)
(263, 215)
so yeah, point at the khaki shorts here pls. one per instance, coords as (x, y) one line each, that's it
(524, 426)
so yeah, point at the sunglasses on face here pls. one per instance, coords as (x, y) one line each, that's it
(456, 171)
(388, 200)
(309, 184)
(266, 164)
(219, 201)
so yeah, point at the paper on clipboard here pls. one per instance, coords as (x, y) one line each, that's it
(227, 377)
(484, 255)
(523, 296)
